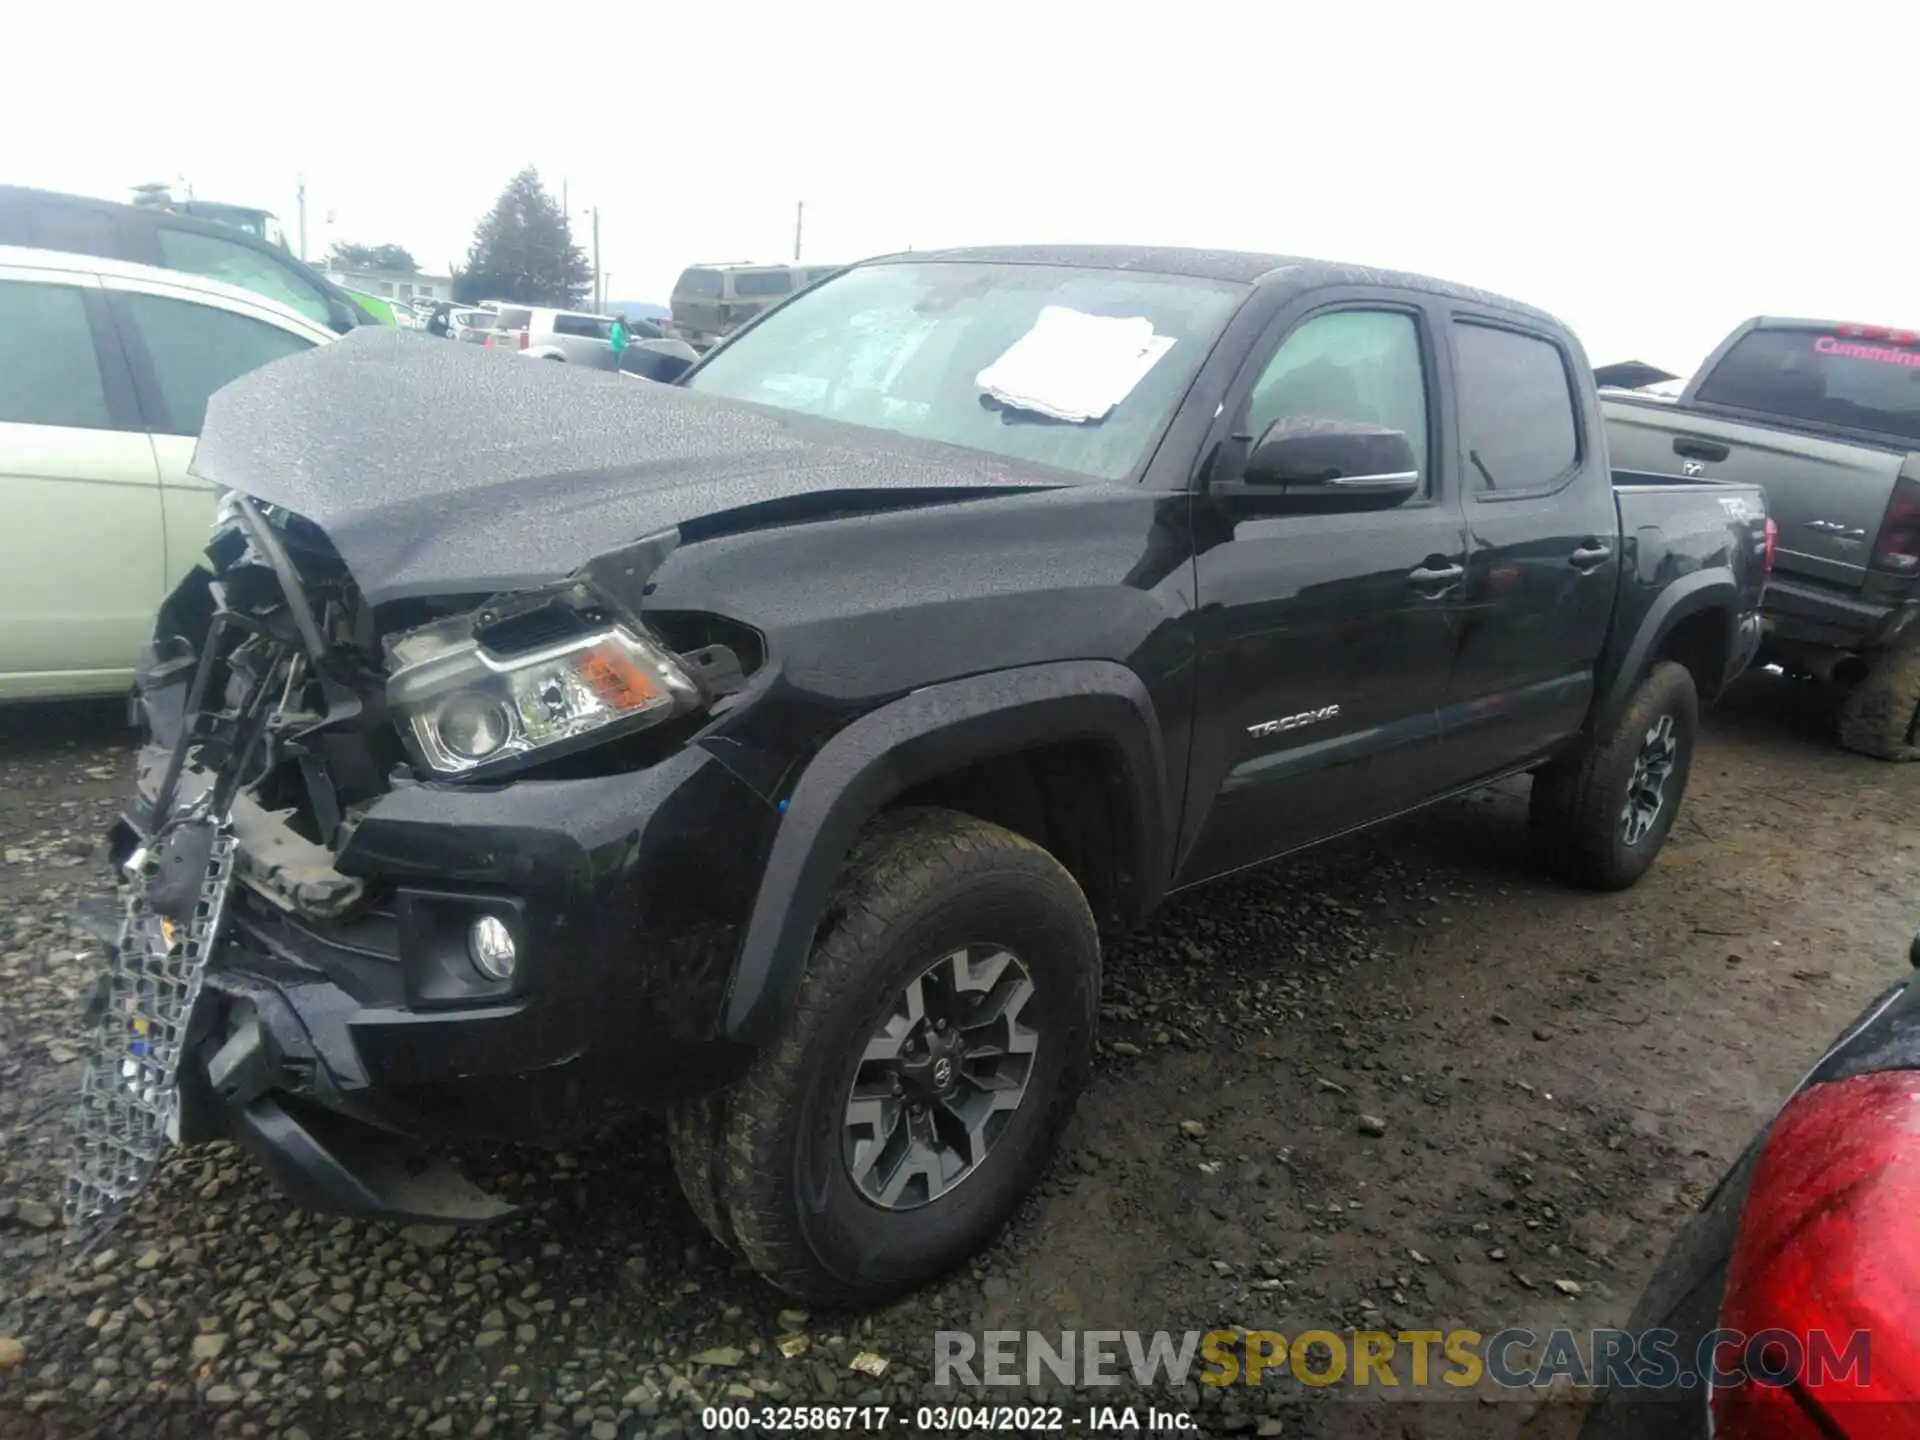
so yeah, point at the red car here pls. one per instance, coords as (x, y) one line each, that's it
(1787, 1310)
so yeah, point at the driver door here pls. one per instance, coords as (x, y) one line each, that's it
(1326, 639)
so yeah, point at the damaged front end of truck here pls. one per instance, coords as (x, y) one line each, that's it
(413, 858)
(263, 933)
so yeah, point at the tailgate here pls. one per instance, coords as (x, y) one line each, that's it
(1826, 496)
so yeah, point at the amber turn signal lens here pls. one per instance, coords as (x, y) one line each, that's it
(615, 679)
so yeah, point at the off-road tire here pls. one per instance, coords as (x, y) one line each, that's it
(694, 1142)
(1881, 715)
(762, 1162)
(1575, 814)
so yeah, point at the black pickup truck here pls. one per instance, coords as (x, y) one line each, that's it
(774, 745)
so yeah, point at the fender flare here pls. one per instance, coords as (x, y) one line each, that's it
(916, 738)
(1687, 596)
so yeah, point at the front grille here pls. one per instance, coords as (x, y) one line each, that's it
(129, 1095)
(248, 663)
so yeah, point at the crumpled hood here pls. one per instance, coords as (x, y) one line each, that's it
(440, 468)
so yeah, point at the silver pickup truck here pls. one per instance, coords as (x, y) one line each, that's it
(1825, 417)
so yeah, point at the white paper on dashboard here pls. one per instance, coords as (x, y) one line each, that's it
(1074, 366)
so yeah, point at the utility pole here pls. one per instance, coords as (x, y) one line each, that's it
(598, 298)
(301, 191)
(799, 221)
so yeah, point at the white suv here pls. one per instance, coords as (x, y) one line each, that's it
(576, 336)
(104, 379)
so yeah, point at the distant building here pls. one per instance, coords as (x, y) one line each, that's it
(393, 284)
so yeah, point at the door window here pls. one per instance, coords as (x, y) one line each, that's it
(583, 326)
(762, 282)
(49, 369)
(236, 264)
(1363, 366)
(1516, 409)
(195, 349)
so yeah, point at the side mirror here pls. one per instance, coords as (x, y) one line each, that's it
(340, 315)
(1308, 463)
(664, 361)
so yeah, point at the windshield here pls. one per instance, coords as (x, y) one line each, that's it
(902, 347)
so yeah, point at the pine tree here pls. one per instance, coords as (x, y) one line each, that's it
(523, 250)
(373, 257)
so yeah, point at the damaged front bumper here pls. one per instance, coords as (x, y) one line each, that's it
(305, 986)
(340, 1050)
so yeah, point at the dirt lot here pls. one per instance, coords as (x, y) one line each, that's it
(1554, 1078)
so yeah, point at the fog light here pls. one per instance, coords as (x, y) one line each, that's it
(490, 944)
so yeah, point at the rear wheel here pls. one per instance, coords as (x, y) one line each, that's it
(1881, 715)
(943, 1029)
(1600, 815)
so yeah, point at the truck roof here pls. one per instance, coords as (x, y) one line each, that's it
(1242, 266)
(1788, 322)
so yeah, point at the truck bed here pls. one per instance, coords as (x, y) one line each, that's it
(1827, 495)
(1674, 528)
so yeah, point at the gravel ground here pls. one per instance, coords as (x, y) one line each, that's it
(1400, 1083)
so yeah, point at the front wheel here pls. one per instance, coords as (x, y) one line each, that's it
(943, 1029)
(1600, 815)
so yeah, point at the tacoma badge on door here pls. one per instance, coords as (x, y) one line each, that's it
(1294, 722)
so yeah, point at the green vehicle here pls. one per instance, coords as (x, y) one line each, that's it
(374, 306)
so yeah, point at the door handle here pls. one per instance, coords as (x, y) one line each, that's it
(1436, 574)
(1590, 556)
(1700, 449)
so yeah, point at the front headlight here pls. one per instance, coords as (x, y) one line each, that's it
(465, 708)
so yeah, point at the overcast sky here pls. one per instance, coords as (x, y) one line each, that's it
(1651, 173)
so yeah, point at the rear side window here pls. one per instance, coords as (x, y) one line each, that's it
(703, 283)
(513, 319)
(195, 349)
(241, 265)
(1516, 409)
(762, 282)
(1822, 378)
(49, 370)
(584, 326)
